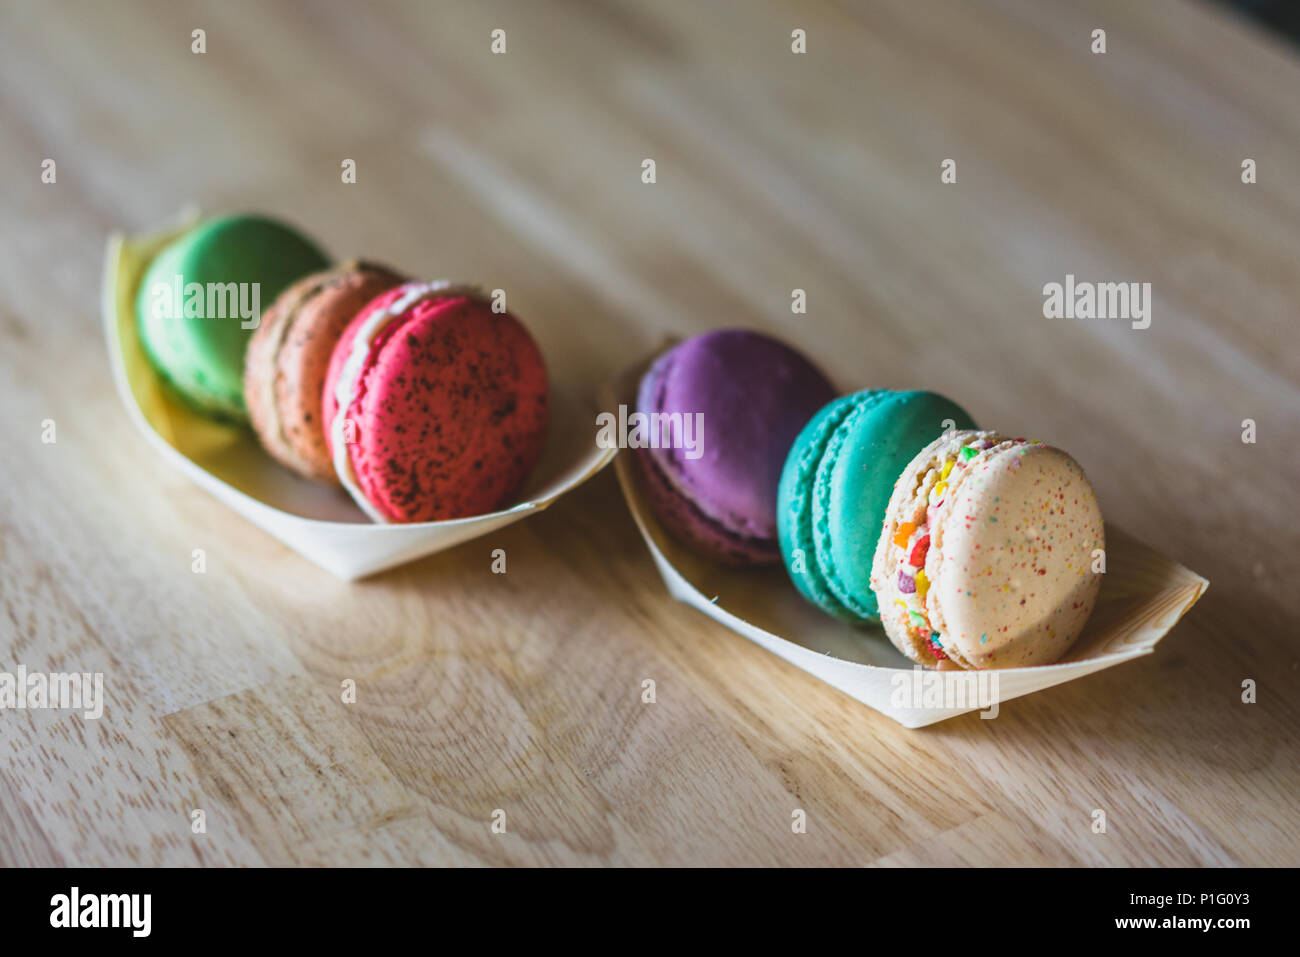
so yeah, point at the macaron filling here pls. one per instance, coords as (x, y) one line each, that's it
(913, 585)
(349, 386)
(909, 540)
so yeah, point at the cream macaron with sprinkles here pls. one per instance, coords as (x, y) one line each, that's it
(986, 556)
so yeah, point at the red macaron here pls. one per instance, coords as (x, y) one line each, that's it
(435, 406)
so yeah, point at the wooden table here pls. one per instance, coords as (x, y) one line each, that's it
(775, 171)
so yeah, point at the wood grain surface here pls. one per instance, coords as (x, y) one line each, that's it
(521, 693)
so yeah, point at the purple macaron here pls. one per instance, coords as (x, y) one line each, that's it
(729, 405)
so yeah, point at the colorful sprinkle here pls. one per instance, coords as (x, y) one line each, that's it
(916, 557)
(906, 584)
(905, 530)
(922, 584)
(947, 469)
(968, 453)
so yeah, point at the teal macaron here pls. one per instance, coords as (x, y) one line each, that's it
(202, 296)
(836, 485)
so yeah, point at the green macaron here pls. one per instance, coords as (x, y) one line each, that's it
(202, 297)
(836, 485)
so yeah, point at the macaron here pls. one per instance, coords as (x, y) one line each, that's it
(289, 355)
(202, 297)
(836, 484)
(435, 406)
(722, 409)
(985, 558)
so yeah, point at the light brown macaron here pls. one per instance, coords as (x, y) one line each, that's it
(289, 354)
(986, 558)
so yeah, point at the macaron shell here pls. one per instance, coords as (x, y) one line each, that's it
(316, 310)
(686, 522)
(259, 369)
(859, 607)
(451, 410)
(865, 456)
(342, 349)
(675, 510)
(753, 394)
(794, 524)
(1010, 560)
(202, 356)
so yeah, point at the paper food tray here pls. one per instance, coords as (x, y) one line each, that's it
(319, 522)
(1143, 595)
